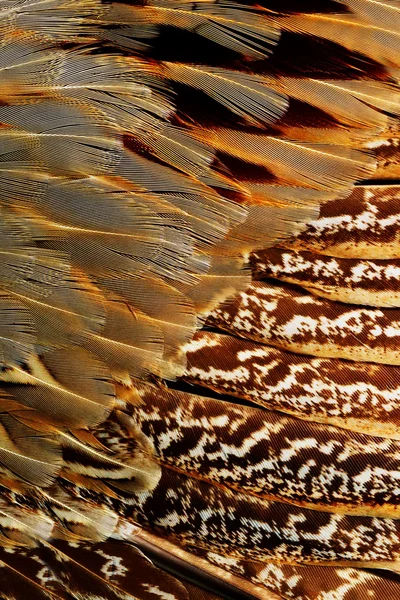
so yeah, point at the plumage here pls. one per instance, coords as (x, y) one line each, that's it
(350, 31)
(362, 226)
(367, 282)
(292, 319)
(199, 313)
(324, 390)
(268, 454)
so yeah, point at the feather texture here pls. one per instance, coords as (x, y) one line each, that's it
(158, 157)
(291, 319)
(370, 282)
(316, 389)
(267, 454)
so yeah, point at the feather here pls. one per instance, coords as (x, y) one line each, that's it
(324, 390)
(350, 102)
(17, 333)
(55, 129)
(26, 66)
(73, 521)
(172, 311)
(129, 341)
(257, 232)
(125, 236)
(126, 90)
(291, 319)
(363, 226)
(201, 206)
(26, 452)
(227, 25)
(189, 567)
(244, 94)
(69, 387)
(100, 569)
(200, 515)
(310, 582)
(318, 166)
(269, 455)
(177, 148)
(376, 42)
(285, 196)
(226, 276)
(384, 14)
(127, 465)
(369, 282)
(66, 314)
(54, 19)
(111, 561)
(25, 268)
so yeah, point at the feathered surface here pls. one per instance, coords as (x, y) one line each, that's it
(199, 304)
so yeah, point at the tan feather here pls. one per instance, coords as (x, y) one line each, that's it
(233, 27)
(377, 42)
(383, 13)
(246, 95)
(69, 386)
(317, 166)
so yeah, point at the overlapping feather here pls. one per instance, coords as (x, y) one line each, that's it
(147, 150)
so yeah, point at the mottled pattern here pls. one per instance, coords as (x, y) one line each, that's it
(359, 396)
(147, 148)
(386, 151)
(312, 582)
(108, 571)
(370, 282)
(264, 452)
(228, 522)
(196, 513)
(364, 225)
(289, 318)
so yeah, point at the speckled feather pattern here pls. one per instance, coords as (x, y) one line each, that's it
(310, 582)
(386, 149)
(235, 524)
(96, 570)
(292, 319)
(272, 455)
(364, 225)
(359, 396)
(354, 281)
(196, 513)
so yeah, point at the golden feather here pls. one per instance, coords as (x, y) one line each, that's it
(199, 306)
